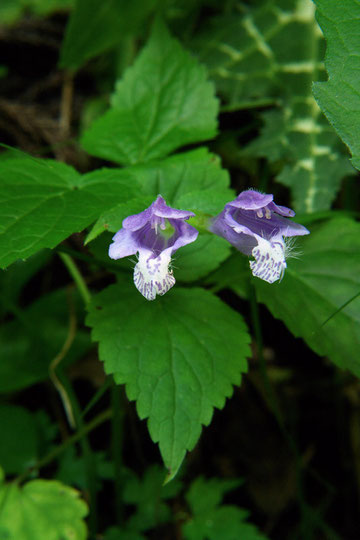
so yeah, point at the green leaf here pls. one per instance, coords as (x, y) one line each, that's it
(312, 298)
(17, 424)
(196, 260)
(96, 26)
(162, 103)
(148, 495)
(41, 509)
(38, 333)
(185, 366)
(72, 469)
(234, 272)
(339, 97)
(210, 521)
(45, 201)
(189, 181)
(246, 57)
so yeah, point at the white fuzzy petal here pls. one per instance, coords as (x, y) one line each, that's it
(269, 263)
(152, 275)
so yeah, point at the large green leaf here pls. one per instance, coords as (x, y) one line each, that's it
(162, 103)
(41, 509)
(178, 356)
(313, 297)
(269, 54)
(339, 97)
(45, 201)
(96, 26)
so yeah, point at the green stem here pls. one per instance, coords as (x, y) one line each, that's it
(87, 453)
(76, 275)
(272, 400)
(116, 447)
(113, 266)
(56, 452)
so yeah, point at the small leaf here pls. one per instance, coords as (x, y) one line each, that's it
(210, 521)
(95, 26)
(163, 102)
(193, 349)
(148, 495)
(41, 509)
(339, 97)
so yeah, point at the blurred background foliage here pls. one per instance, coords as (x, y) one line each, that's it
(287, 445)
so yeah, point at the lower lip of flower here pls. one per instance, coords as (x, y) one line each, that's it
(152, 275)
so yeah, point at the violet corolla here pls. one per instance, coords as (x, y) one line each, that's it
(154, 234)
(256, 226)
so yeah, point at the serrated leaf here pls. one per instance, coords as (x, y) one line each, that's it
(45, 201)
(184, 367)
(41, 509)
(312, 298)
(162, 103)
(246, 56)
(339, 97)
(95, 26)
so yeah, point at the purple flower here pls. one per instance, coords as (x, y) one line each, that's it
(256, 226)
(155, 234)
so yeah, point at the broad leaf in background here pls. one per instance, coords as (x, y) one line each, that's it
(96, 26)
(36, 335)
(211, 520)
(163, 102)
(12, 10)
(44, 201)
(246, 57)
(339, 97)
(179, 357)
(313, 297)
(41, 509)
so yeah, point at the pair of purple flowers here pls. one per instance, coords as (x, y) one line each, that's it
(252, 223)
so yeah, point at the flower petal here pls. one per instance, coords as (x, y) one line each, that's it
(269, 263)
(251, 200)
(152, 275)
(123, 245)
(161, 209)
